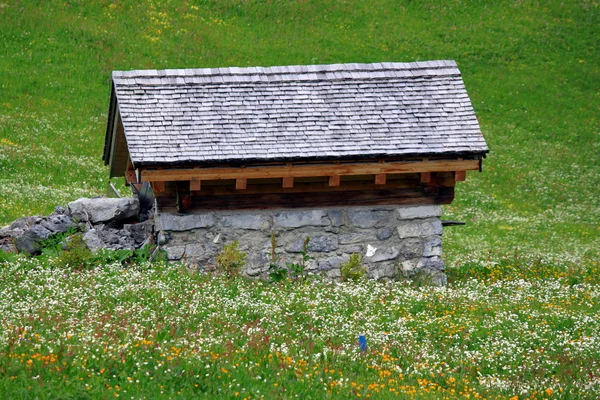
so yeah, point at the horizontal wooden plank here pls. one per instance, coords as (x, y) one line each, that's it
(306, 187)
(309, 170)
(410, 196)
(208, 189)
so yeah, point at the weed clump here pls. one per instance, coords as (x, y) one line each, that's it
(278, 273)
(231, 260)
(353, 269)
(76, 254)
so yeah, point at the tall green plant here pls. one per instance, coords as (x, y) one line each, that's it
(231, 260)
(353, 269)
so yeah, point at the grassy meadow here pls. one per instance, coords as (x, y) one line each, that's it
(520, 315)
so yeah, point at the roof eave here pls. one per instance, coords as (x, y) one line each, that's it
(240, 162)
(110, 125)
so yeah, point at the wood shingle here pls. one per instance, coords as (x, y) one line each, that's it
(294, 113)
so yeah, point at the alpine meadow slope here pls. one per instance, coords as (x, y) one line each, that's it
(532, 71)
(519, 318)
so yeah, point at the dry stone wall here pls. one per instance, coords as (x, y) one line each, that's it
(393, 241)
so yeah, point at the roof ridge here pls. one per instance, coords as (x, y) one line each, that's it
(373, 68)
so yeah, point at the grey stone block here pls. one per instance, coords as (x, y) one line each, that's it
(411, 248)
(60, 210)
(352, 238)
(384, 254)
(383, 271)
(171, 222)
(104, 209)
(24, 223)
(336, 218)
(246, 221)
(126, 242)
(419, 212)
(163, 238)
(384, 233)
(312, 266)
(174, 253)
(329, 263)
(353, 248)
(409, 266)
(7, 245)
(108, 236)
(298, 219)
(29, 241)
(419, 228)
(139, 232)
(254, 271)
(93, 241)
(333, 274)
(431, 264)
(317, 243)
(58, 223)
(363, 218)
(201, 252)
(432, 246)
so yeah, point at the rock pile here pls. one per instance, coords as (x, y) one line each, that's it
(107, 223)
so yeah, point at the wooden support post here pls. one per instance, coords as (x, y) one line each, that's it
(158, 186)
(288, 182)
(460, 176)
(241, 183)
(130, 176)
(195, 185)
(425, 177)
(380, 179)
(334, 180)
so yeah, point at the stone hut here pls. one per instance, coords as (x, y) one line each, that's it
(359, 157)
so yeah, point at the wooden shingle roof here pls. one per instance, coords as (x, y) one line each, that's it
(315, 112)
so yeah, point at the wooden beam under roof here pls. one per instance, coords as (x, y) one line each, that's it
(409, 196)
(209, 189)
(298, 171)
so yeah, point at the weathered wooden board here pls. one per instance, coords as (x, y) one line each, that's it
(405, 196)
(286, 171)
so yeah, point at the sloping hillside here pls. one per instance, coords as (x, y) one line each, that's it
(531, 68)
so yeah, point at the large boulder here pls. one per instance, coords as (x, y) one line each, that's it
(29, 241)
(104, 209)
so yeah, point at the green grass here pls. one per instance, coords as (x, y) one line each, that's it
(532, 70)
(163, 332)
